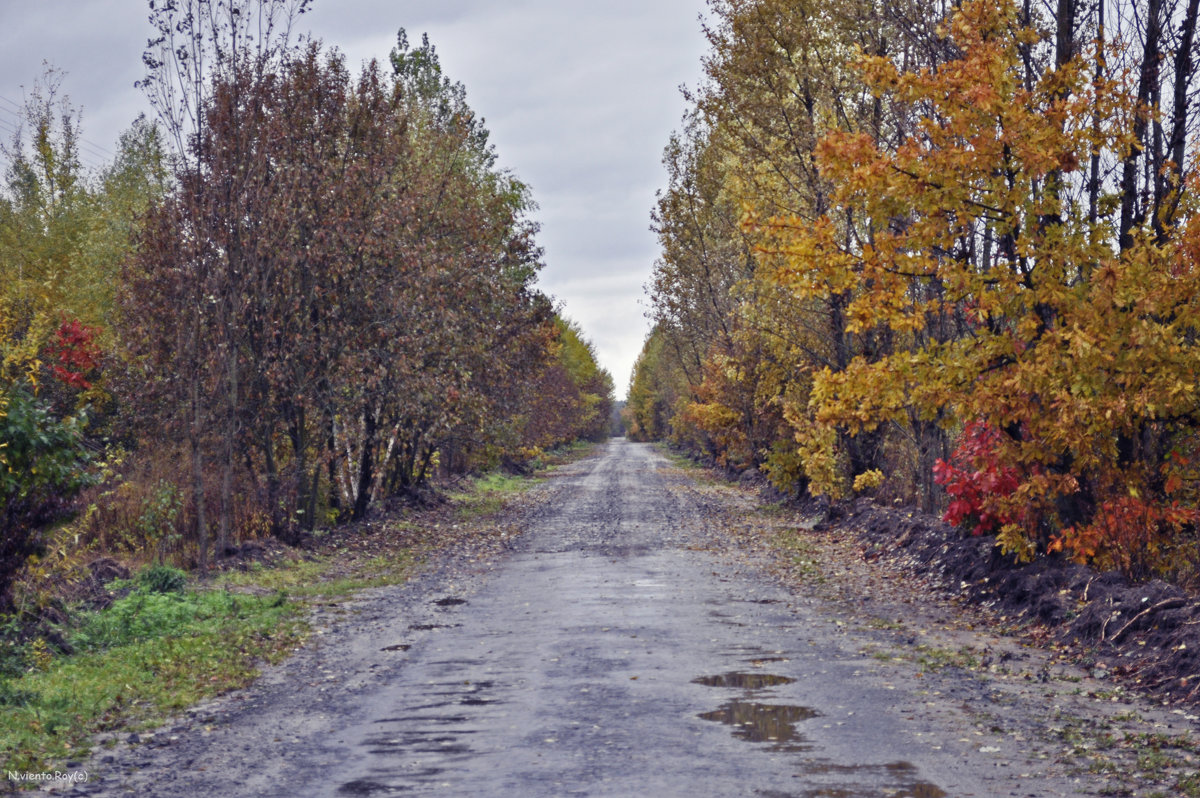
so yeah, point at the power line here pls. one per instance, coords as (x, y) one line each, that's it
(94, 150)
(97, 155)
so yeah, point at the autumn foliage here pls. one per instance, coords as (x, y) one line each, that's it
(987, 238)
(974, 477)
(347, 279)
(75, 353)
(300, 293)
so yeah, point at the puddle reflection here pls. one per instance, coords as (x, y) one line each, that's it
(764, 723)
(775, 725)
(743, 681)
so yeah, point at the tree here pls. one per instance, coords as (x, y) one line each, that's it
(42, 456)
(202, 45)
(357, 278)
(63, 235)
(45, 208)
(776, 81)
(42, 465)
(658, 390)
(1065, 341)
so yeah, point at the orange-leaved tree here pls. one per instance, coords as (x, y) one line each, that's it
(969, 246)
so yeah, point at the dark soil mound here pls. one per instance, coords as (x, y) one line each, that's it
(92, 590)
(1147, 634)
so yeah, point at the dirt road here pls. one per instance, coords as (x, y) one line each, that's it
(611, 651)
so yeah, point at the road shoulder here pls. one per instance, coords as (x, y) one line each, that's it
(1014, 693)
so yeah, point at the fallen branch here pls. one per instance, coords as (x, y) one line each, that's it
(1168, 604)
(1183, 681)
(1107, 621)
(1191, 695)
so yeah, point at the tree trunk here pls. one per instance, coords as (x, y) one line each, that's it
(366, 465)
(1097, 120)
(1131, 214)
(272, 467)
(231, 417)
(194, 436)
(1064, 40)
(335, 497)
(1179, 112)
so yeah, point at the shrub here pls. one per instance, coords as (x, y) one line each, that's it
(162, 579)
(973, 478)
(42, 465)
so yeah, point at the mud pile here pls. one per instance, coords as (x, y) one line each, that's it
(1147, 635)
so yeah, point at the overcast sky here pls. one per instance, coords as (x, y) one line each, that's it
(580, 97)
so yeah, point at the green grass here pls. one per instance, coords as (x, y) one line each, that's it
(934, 658)
(1131, 758)
(487, 494)
(565, 454)
(697, 472)
(148, 655)
(328, 576)
(884, 624)
(294, 577)
(153, 653)
(680, 460)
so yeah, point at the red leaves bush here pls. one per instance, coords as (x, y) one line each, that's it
(974, 474)
(77, 354)
(1139, 534)
(1131, 534)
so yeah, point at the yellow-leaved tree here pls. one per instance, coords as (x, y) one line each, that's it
(1010, 307)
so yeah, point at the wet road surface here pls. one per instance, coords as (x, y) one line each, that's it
(609, 657)
(610, 653)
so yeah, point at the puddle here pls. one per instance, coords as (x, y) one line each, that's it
(363, 787)
(743, 681)
(434, 705)
(375, 788)
(449, 601)
(758, 662)
(474, 699)
(443, 748)
(764, 723)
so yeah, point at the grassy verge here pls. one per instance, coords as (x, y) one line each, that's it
(339, 571)
(486, 495)
(164, 646)
(699, 473)
(801, 555)
(683, 462)
(149, 654)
